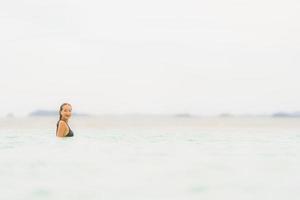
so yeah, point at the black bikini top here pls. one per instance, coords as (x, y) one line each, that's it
(70, 133)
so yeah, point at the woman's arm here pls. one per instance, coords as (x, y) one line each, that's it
(62, 129)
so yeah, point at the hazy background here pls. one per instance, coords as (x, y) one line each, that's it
(160, 57)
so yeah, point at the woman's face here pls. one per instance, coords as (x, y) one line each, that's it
(66, 112)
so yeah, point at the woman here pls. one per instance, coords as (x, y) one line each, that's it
(62, 127)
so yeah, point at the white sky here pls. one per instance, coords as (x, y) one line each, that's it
(159, 56)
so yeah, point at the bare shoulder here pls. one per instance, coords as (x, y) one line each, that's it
(61, 129)
(62, 123)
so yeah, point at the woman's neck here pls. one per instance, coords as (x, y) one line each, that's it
(65, 120)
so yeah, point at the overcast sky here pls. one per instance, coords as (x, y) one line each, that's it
(159, 56)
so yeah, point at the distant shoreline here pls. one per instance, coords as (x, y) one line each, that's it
(52, 113)
(49, 113)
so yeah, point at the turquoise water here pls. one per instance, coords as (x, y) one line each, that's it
(159, 159)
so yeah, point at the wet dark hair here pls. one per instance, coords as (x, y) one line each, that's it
(59, 112)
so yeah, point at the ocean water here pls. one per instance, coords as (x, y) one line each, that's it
(151, 158)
